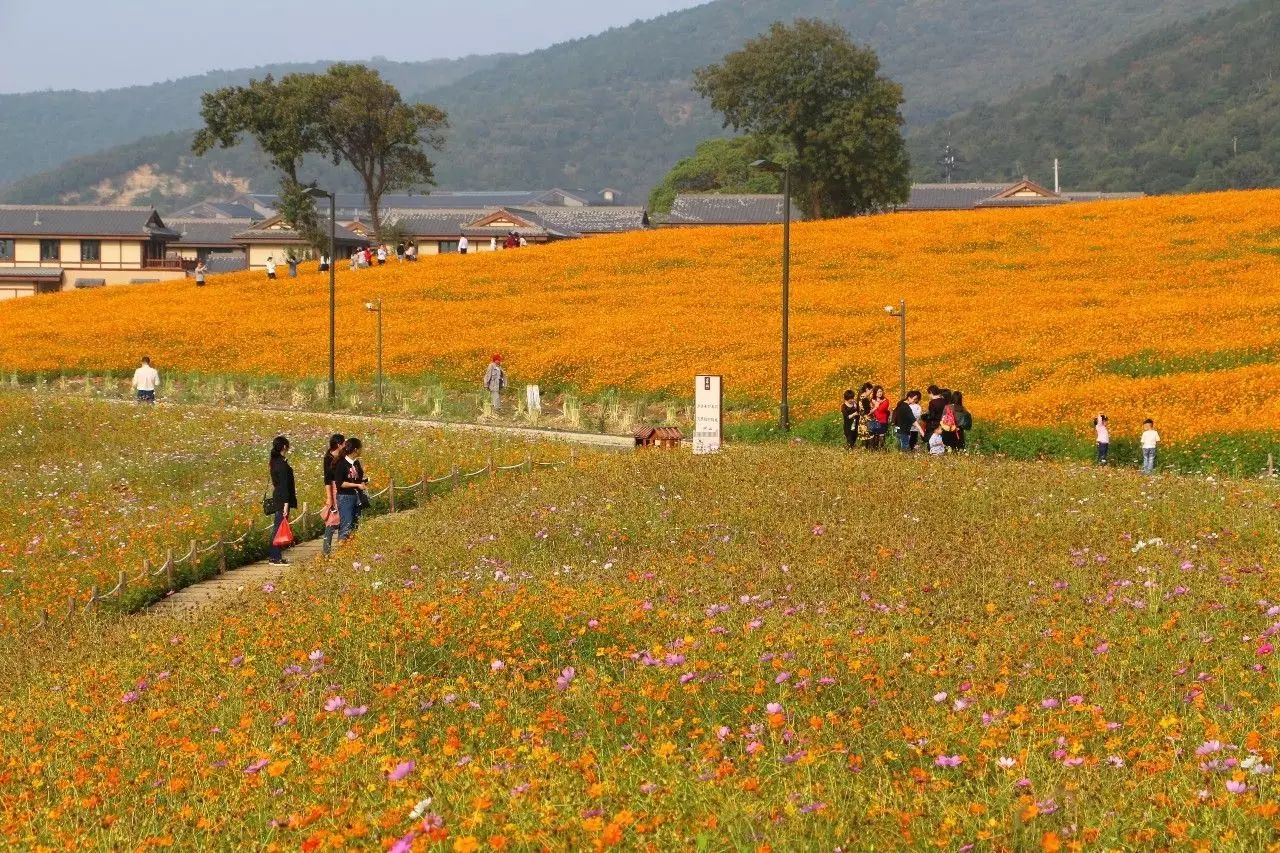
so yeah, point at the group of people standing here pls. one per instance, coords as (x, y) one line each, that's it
(346, 490)
(868, 418)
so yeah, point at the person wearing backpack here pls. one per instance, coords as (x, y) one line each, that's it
(906, 421)
(947, 422)
(964, 420)
(495, 380)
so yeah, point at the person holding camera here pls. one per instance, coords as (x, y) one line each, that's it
(353, 489)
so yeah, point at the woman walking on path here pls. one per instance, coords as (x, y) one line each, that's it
(282, 491)
(352, 485)
(878, 423)
(849, 414)
(337, 442)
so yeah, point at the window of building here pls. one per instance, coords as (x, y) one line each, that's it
(50, 250)
(448, 247)
(6, 250)
(90, 250)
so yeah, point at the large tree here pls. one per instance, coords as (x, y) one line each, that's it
(284, 118)
(347, 114)
(367, 124)
(809, 84)
(720, 166)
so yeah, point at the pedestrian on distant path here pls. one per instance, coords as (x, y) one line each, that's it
(906, 420)
(1150, 440)
(283, 491)
(382, 255)
(462, 245)
(292, 263)
(964, 420)
(146, 379)
(1103, 431)
(495, 380)
(271, 268)
(324, 263)
(353, 488)
(201, 270)
(329, 514)
(849, 414)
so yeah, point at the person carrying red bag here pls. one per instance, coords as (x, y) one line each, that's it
(285, 495)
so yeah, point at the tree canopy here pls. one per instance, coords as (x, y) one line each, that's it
(723, 166)
(809, 84)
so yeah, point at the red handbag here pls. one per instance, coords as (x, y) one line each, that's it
(284, 534)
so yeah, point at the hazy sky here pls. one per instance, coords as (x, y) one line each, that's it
(102, 44)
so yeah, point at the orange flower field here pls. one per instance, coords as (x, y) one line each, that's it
(1165, 307)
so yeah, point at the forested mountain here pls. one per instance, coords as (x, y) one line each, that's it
(1194, 106)
(41, 130)
(616, 109)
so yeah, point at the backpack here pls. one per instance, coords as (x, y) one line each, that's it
(964, 420)
(948, 419)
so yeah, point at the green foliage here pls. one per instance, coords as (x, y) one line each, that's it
(614, 109)
(809, 84)
(1195, 106)
(1153, 363)
(719, 165)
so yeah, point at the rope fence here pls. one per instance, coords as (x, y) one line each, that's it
(300, 523)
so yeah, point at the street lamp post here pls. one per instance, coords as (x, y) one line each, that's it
(316, 192)
(784, 415)
(902, 361)
(376, 307)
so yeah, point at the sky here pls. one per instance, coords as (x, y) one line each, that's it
(104, 44)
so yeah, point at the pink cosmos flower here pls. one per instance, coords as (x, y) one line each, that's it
(357, 712)
(1049, 704)
(773, 708)
(1265, 649)
(940, 697)
(403, 769)
(256, 766)
(1101, 649)
(819, 530)
(131, 696)
(334, 703)
(687, 677)
(782, 676)
(948, 760)
(404, 844)
(316, 655)
(237, 660)
(497, 665)
(1236, 787)
(565, 679)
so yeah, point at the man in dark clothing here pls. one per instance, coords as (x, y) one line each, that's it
(933, 414)
(904, 421)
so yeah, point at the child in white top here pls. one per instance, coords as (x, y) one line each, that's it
(1104, 437)
(936, 446)
(1150, 440)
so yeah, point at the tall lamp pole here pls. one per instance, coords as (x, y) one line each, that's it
(902, 361)
(316, 192)
(784, 416)
(376, 307)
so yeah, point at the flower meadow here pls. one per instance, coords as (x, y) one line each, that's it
(778, 648)
(95, 487)
(1162, 307)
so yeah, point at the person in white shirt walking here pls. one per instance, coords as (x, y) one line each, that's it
(1150, 440)
(462, 246)
(271, 268)
(145, 381)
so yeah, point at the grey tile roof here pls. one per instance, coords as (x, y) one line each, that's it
(596, 220)
(215, 210)
(208, 232)
(443, 224)
(726, 209)
(950, 196)
(27, 220)
(288, 235)
(229, 262)
(31, 272)
(1098, 196)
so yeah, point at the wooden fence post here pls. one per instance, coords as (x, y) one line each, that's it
(453, 473)
(122, 584)
(222, 556)
(528, 462)
(573, 457)
(168, 569)
(391, 490)
(490, 466)
(1271, 466)
(423, 490)
(93, 597)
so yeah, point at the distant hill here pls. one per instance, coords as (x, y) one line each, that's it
(617, 109)
(41, 130)
(1194, 106)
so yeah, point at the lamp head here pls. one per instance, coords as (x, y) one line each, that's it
(888, 309)
(369, 306)
(768, 166)
(316, 192)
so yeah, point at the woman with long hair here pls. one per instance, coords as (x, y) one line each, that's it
(329, 515)
(351, 482)
(878, 422)
(282, 491)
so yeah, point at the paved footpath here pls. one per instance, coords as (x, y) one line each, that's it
(231, 587)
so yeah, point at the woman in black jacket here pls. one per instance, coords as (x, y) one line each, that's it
(282, 489)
